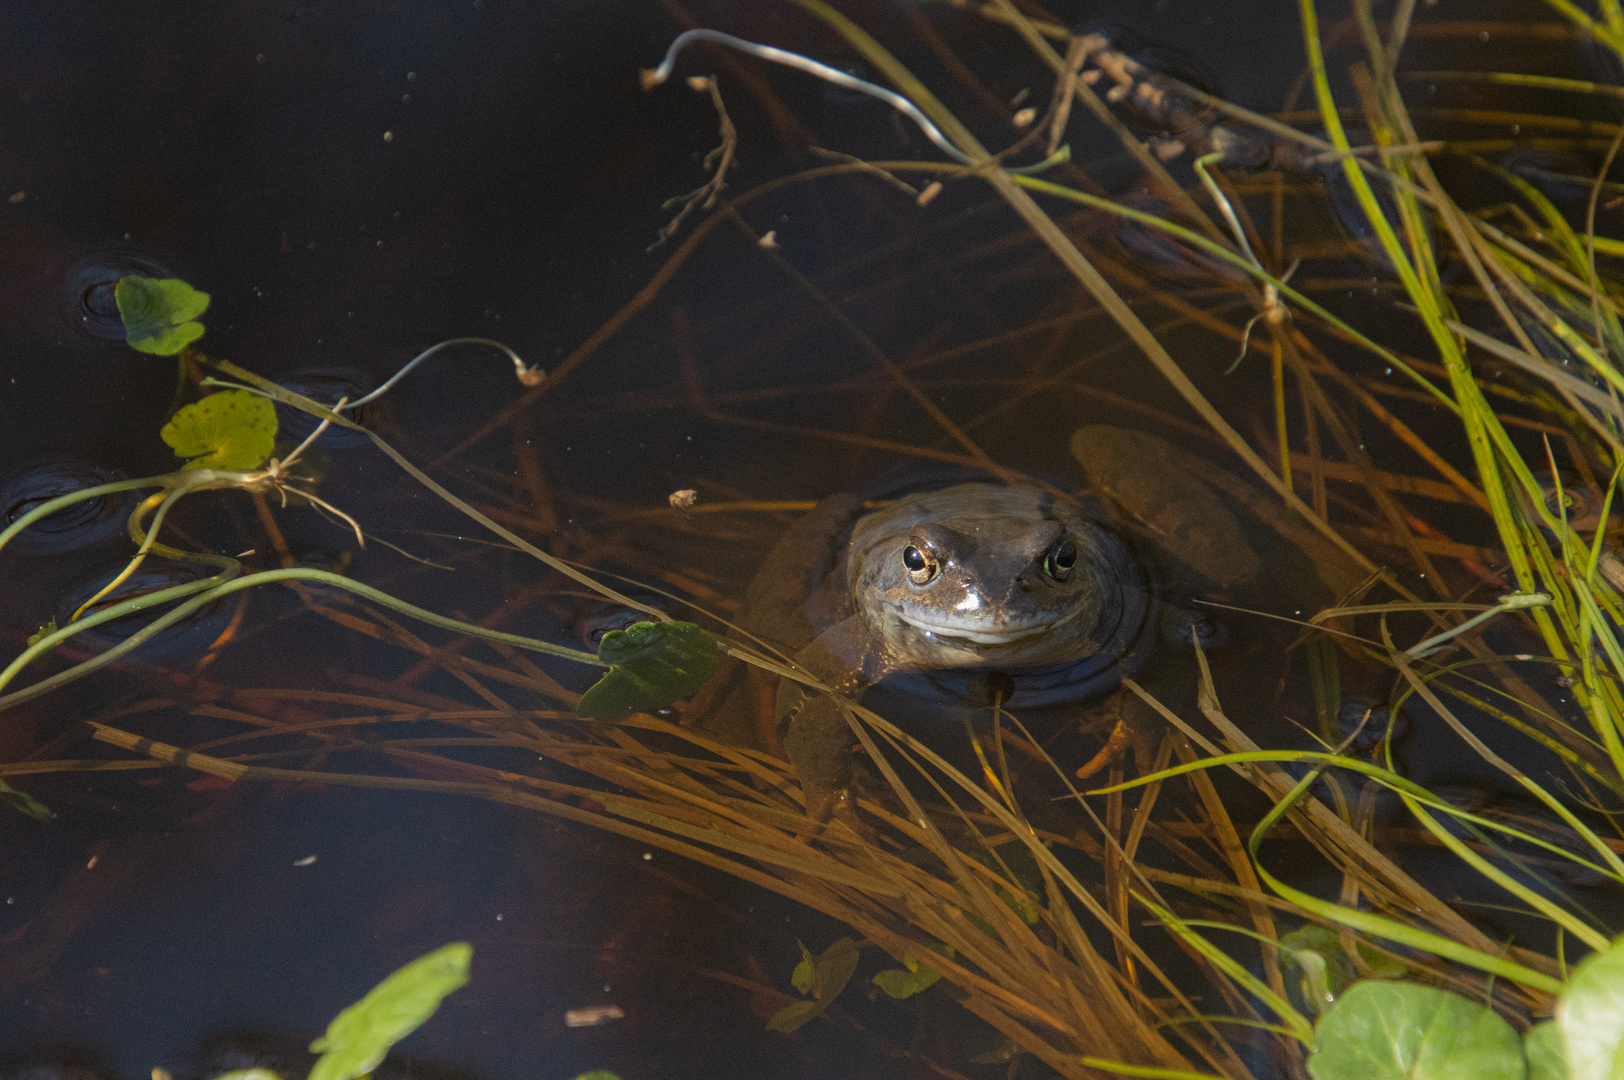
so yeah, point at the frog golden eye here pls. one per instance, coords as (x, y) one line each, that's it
(1061, 558)
(920, 564)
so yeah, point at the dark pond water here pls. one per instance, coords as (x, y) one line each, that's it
(354, 182)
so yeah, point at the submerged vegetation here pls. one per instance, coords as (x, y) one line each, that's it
(1095, 935)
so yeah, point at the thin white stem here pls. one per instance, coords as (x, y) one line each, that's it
(907, 108)
(527, 374)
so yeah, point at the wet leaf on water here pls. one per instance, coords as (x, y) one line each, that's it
(801, 977)
(26, 803)
(159, 313)
(1542, 1046)
(792, 1016)
(651, 665)
(232, 430)
(834, 969)
(823, 977)
(1590, 1016)
(362, 1034)
(1406, 1031)
(917, 977)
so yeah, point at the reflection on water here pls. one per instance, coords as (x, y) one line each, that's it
(190, 635)
(87, 289)
(327, 386)
(83, 524)
(520, 184)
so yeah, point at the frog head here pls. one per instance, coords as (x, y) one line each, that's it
(980, 574)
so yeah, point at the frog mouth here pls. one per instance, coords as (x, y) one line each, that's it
(989, 636)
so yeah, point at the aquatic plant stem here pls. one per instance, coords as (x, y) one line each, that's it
(840, 78)
(211, 589)
(162, 502)
(1512, 602)
(299, 401)
(1366, 922)
(53, 505)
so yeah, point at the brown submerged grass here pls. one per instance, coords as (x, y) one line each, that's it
(1084, 988)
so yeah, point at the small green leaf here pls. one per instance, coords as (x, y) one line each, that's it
(916, 979)
(159, 313)
(47, 629)
(362, 1034)
(1406, 1031)
(792, 1016)
(834, 969)
(905, 984)
(801, 977)
(1590, 1016)
(823, 977)
(23, 801)
(1542, 1046)
(232, 430)
(650, 666)
(249, 1074)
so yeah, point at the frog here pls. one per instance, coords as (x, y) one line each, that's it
(939, 594)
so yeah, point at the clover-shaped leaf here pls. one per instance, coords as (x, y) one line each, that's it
(362, 1034)
(232, 430)
(650, 666)
(159, 313)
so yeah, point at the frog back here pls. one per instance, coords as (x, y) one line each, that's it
(800, 590)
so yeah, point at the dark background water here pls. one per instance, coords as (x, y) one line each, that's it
(354, 182)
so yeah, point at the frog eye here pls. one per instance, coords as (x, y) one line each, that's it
(920, 564)
(1061, 558)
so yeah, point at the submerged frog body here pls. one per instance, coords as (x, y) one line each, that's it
(935, 592)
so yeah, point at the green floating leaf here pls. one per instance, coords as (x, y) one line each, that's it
(1590, 1016)
(801, 977)
(834, 969)
(650, 666)
(899, 983)
(1542, 1046)
(362, 1034)
(159, 313)
(23, 801)
(917, 977)
(1406, 1031)
(823, 977)
(232, 430)
(792, 1016)
(249, 1074)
